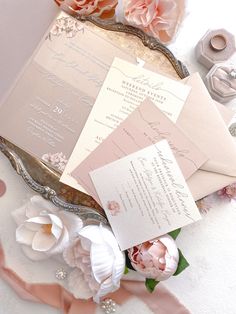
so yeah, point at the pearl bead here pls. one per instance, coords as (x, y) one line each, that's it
(109, 306)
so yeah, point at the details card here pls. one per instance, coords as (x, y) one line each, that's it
(144, 195)
(145, 126)
(125, 87)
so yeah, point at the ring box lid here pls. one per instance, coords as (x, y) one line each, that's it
(220, 83)
(214, 47)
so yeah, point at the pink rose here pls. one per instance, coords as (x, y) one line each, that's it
(158, 18)
(101, 8)
(157, 259)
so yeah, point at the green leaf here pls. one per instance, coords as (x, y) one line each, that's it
(174, 234)
(126, 270)
(183, 263)
(151, 284)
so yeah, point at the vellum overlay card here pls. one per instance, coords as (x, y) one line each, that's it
(146, 125)
(47, 108)
(144, 195)
(125, 87)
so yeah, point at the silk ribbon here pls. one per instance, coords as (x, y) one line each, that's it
(160, 302)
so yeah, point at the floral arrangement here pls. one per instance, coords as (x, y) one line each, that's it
(158, 18)
(95, 260)
(57, 160)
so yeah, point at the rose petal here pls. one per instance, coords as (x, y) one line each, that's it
(91, 233)
(78, 286)
(19, 215)
(157, 249)
(105, 288)
(37, 204)
(61, 244)
(109, 238)
(43, 242)
(45, 220)
(57, 226)
(102, 258)
(118, 268)
(72, 222)
(170, 245)
(69, 257)
(24, 235)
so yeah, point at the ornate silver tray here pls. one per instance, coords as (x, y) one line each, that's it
(44, 180)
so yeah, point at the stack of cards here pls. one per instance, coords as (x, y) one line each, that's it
(137, 170)
(145, 146)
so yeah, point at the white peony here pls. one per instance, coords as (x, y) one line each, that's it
(99, 263)
(43, 229)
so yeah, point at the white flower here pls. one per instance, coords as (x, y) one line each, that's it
(43, 229)
(99, 263)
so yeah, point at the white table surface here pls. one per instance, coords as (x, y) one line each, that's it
(208, 285)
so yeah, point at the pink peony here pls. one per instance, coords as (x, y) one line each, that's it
(157, 259)
(158, 18)
(228, 192)
(101, 8)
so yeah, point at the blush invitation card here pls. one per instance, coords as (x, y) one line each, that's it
(146, 125)
(46, 110)
(144, 195)
(125, 87)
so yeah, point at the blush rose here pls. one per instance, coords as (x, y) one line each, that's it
(158, 18)
(100, 8)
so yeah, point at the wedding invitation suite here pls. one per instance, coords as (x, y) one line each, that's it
(146, 125)
(46, 110)
(125, 87)
(144, 195)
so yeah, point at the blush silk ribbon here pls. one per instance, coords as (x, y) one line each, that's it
(160, 302)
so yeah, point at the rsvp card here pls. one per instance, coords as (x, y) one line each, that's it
(125, 87)
(145, 126)
(144, 195)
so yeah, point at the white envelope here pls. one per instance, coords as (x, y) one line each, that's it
(201, 120)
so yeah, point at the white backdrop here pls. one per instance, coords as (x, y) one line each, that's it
(208, 285)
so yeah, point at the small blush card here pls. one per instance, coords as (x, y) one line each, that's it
(125, 87)
(144, 195)
(145, 126)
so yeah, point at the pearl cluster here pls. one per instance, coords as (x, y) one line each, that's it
(109, 306)
(61, 274)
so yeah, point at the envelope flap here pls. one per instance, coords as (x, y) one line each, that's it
(203, 123)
